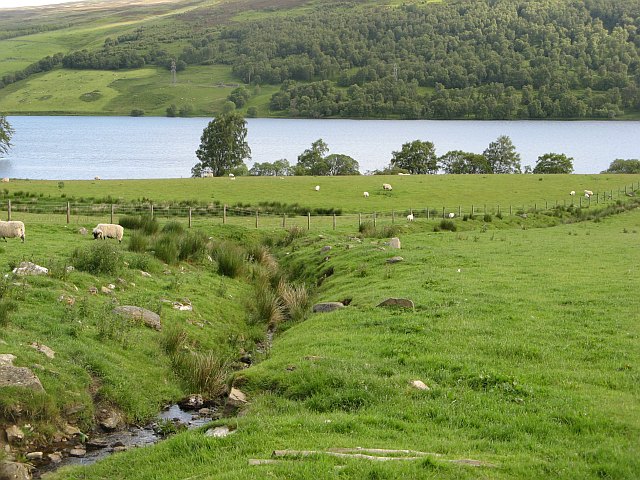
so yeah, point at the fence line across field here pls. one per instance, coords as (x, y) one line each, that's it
(81, 213)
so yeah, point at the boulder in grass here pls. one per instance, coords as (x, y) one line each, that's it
(394, 242)
(397, 302)
(14, 471)
(327, 307)
(149, 318)
(11, 376)
(29, 268)
(396, 259)
(420, 385)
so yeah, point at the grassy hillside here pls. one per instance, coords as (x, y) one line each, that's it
(525, 339)
(412, 59)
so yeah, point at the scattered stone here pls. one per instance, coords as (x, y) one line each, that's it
(395, 242)
(395, 259)
(192, 402)
(122, 281)
(236, 398)
(7, 359)
(67, 299)
(83, 231)
(14, 434)
(120, 448)
(34, 455)
(420, 385)
(11, 376)
(93, 290)
(205, 412)
(54, 457)
(111, 421)
(49, 353)
(182, 306)
(106, 290)
(149, 318)
(77, 452)
(97, 443)
(327, 307)
(70, 268)
(325, 249)
(29, 268)
(218, 432)
(70, 430)
(111, 286)
(14, 471)
(145, 274)
(397, 302)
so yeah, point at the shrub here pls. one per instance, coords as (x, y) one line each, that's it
(138, 242)
(487, 217)
(149, 225)
(292, 234)
(99, 258)
(294, 300)
(267, 305)
(446, 225)
(173, 339)
(499, 215)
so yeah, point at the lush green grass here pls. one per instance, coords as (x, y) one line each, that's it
(526, 337)
(345, 193)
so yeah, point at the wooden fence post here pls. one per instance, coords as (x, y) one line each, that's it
(9, 211)
(472, 212)
(284, 220)
(428, 214)
(510, 210)
(151, 208)
(308, 220)
(359, 220)
(442, 212)
(393, 217)
(334, 221)
(189, 217)
(68, 213)
(256, 218)
(374, 219)
(459, 211)
(224, 214)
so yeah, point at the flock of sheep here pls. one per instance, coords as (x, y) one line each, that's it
(16, 229)
(587, 193)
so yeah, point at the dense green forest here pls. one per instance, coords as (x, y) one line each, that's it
(482, 59)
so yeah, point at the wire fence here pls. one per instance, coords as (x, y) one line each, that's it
(85, 214)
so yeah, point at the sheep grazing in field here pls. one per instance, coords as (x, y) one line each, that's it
(96, 178)
(12, 229)
(231, 175)
(452, 215)
(366, 194)
(317, 188)
(5, 180)
(572, 193)
(386, 186)
(410, 217)
(108, 230)
(588, 193)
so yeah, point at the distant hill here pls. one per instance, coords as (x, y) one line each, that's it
(480, 59)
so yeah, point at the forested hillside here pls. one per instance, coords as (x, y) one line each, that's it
(480, 59)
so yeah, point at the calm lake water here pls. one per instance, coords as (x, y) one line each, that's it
(62, 148)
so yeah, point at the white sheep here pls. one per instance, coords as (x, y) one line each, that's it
(588, 193)
(366, 194)
(108, 230)
(317, 188)
(12, 229)
(231, 175)
(410, 217)
(572, 193)
(96, 178)
(386, 186)
(452, 215)
(5, 180)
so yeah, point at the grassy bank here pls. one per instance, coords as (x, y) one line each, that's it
(526, 338)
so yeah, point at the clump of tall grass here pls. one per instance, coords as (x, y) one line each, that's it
(138, 242)
(149, 225)
(445, 225)
(193, 246)
(267, 304)
(174, 340)
(261, 255)
(294, 299)
(7, 307)
(166, 248)
(203, 372)
(368, 230)
(292, 234)
(102, 257)
(173, 227)
(230, 259)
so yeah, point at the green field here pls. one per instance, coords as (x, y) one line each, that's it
(344, 193)
(527, 337)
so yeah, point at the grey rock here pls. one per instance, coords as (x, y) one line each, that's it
(106, 290)
(325, 249)
(54, 457)
(34, 455)
(77, 452)
(218, 432)
(11, 376)
(149, 318)
(395, 259)
(14, 434)
(48, 352)
(397, 302)
(192, 402)
(29, 268)
(14, 471)
(420, 385)
(145, 274)
(236, 398)
(7, 359)
(327, 307)
(394, 242)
